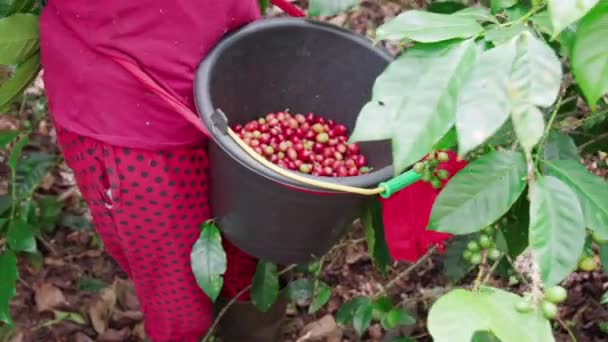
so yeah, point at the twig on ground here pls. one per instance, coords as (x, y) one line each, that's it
(570, 333)
(47, 245)
(406, 272)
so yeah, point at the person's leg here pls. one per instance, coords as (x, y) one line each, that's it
(83, 157)
(149, 220)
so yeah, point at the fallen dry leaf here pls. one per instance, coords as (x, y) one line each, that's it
(125, 292)
(121, 319)
(48, 297)
(17, 336)
(112, 335)
(355, 253)
(81, 337)
(47, 182)
(139, 331)
(101, 310)
(57, 262)
(325, 327)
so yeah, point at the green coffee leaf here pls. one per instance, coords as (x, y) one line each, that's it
(75, 222)
(91, 284)
(416, 120)
(345, 314)
(557, 228)
(590, 54)
(483, 104)
(484, 336)
(31, 170)
(454, 266)
(19, 38)
(265, 286)
(518, 11)
(565, 12)
(427, 27)
(535, 81)
(300, 290)
(515, 230)
(6, 137)
(604, 299)
(16, 152)
(498, 5)
(565, 38)
(480, 193)
(322, 294)
(24, 74)
(381, 307)
(479, 13)
(374, 233)
(8, 277)
(263, 4)
(5, 203)
(449, 140)
(529, 125)
(559, 146)
(208, 260)
(329, 7)
(20, 236)
(446, 7)
(460, 314)
(501, 34)
(50, 212)
(397, 317)
(603, 252)
(591, 191)
(362, 317)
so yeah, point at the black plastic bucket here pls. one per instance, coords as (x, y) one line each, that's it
(269, 66)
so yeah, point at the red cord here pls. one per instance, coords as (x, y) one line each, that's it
(171, 100)
(288, 8)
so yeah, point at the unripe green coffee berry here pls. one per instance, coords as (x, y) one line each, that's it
(488, 230)
(466, 255)
(443, 157)
(426, 176)
(473, 246)
(494, 254)
(485, 241)
(443, 174)
(419, 167)
(556, 294)
(549, 309)
(587, 264)
(435, 183)
(476, 259)
(433, 163)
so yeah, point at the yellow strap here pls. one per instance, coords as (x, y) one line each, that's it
(296, 177)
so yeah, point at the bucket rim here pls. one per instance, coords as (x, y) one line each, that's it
(206, 110)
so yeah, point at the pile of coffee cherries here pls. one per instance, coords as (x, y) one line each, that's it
(307, 143)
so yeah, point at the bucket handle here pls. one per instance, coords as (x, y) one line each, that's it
(384, 189)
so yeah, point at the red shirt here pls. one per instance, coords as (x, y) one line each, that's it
(92, 95)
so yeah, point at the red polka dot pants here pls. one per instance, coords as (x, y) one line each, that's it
(147, 207)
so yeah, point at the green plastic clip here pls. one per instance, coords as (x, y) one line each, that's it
(392, 186)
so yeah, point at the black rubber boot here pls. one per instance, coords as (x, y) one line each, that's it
(243, 322)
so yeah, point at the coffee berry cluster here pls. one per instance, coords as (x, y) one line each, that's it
(484, 244)
(307, 143)
(428, 169)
